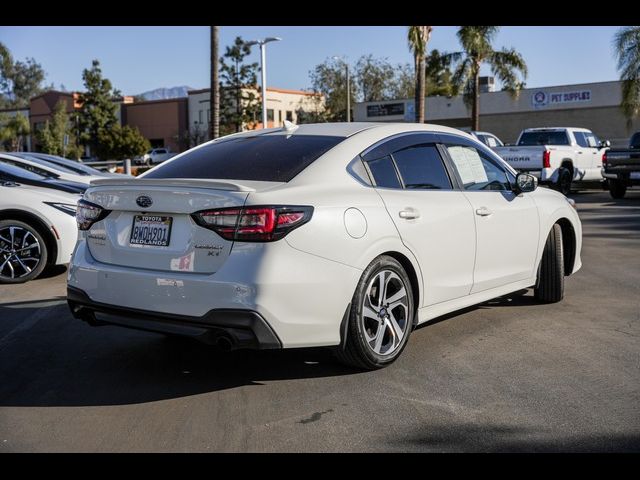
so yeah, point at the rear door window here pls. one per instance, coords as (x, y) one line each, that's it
(270, 158)
(580, 139)
(421, 168)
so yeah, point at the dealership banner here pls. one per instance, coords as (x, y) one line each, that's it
(541, 99)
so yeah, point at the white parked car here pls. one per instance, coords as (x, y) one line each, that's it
(47, 169)
(154, 156)
(560, 157)
(345, 235)
(489, 139)
(37, 228)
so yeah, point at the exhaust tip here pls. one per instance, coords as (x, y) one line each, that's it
(224, 343)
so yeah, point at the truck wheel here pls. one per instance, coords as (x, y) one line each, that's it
(563, 185)
(381, 316)
(550, 287)
(617, 189)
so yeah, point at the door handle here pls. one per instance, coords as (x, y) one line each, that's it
(579, 152)
(409, 213)
(483, 212)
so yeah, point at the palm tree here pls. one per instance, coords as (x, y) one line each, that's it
(505, 65)
(418, 37)
(627, 48)
(214, 100)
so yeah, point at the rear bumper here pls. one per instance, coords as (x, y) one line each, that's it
(300, 296)
(233, 328)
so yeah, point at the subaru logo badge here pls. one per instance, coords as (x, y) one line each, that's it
(144, 201)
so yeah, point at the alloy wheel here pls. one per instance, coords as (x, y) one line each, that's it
(385, 313)
(20, 252)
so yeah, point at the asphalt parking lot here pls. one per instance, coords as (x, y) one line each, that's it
(509, 375)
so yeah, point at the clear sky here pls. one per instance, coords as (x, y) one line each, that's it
(138, 59)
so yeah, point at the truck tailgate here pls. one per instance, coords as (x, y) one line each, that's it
(522, 158)
(622, 161)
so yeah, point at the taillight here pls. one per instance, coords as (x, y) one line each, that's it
(254, 223)
(89, 213)
(604, 159)
(546, 159)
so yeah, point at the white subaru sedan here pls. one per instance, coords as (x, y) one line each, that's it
(345, 235)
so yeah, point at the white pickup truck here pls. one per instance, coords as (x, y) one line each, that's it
(560, 157)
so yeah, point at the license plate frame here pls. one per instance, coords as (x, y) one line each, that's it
(153, 219)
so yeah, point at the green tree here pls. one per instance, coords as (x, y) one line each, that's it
(238, 99)
(19, 81)
(97, 112)
(373, 78)
(330, 79)
(418, 38)
(52, 136)
(627, 49)
(13, 131)
(506, 64)
(119, 143)
(438, 77)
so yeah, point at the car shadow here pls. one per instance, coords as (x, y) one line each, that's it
(468, 437)
(51, 359)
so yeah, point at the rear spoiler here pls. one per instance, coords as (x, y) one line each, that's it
(172, 182)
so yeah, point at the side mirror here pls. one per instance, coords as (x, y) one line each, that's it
(526, 182)
(605, 143)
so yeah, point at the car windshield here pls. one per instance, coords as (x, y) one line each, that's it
(544, 137)
(17, 172)
(75, 167)
(44, 163)
(269, 158)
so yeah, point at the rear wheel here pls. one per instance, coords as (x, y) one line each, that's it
(23, 252)
(563, 185)
(550, 287)
(381, 316)
(617, 188)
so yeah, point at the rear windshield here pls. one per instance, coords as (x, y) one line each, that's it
(544, 138)
(269, 158)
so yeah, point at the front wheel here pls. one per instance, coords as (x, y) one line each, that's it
(617, 189)
(550, 288)
(23, 252)
(381, 316)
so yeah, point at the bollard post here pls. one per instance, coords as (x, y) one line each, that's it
(127, 166)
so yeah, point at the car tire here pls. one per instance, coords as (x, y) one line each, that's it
(617, 189)
(563, 184)
(550, 287)
(18, 266)
(366, 346)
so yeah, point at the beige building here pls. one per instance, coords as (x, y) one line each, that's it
(282, 105)
(589, 105)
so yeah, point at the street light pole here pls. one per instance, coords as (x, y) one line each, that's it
(346, 66)
(263, 72)
(348, 93)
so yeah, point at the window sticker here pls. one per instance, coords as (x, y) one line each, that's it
(469, 164)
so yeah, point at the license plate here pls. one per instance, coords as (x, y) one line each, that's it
(151, 230)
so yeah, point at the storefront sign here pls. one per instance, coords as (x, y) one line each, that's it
(385, 110)
(541, 99)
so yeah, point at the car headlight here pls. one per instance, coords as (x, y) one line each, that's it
(68, 208)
